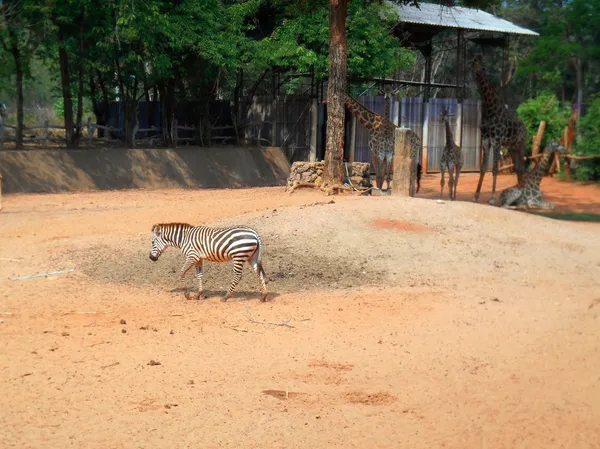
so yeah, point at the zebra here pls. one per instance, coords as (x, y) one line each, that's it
(238, 243)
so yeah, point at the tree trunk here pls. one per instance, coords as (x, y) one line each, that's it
(77, 135)
(334, 153)
(18, 57)
(578, 63)
(167, 106)
(66, 88)
(101, 107)
(130, 103)
(20, 115)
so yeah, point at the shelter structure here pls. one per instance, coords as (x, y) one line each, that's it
(417, 27)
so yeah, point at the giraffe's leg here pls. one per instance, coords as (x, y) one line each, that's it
(458, 170)
(380, 174)
(238, 266)
(509, 197)
(450, 180)
(483, 167)
(389, 170)
(495, 174)
(383, 162)
(443, 181)
(375, 159)
(256, 264)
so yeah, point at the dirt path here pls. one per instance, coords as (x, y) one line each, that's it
(575, 197)
(415, 324)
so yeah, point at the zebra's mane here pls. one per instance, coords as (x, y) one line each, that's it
(171, 226)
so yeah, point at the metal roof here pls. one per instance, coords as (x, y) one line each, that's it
(457, 17)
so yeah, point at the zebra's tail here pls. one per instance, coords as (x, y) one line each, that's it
(256, 259)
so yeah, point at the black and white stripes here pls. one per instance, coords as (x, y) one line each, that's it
(238, 243)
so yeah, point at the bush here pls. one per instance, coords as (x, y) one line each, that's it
(589, 142)
(544, 107)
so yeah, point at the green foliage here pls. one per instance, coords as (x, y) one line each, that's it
(544, 107)
(589, 143)
(302, 42)
(569, 37)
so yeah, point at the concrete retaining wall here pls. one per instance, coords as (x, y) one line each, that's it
(112, 169)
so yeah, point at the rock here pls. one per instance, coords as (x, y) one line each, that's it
(356, 180)
(319, 172)
(297, 177)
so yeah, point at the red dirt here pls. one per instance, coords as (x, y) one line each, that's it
(398, 225)
(482, 333)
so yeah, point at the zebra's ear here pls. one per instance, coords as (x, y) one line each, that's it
(156, 230)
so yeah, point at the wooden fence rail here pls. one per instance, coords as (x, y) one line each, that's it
(91, 134)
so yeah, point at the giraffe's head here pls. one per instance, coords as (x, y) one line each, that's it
(554, 146)
(388, 91)
(445, 114)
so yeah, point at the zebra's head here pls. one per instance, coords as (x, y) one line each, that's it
(158, 243)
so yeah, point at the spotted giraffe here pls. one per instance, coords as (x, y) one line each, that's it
(500, 127)
(381, 138)
(530, 195)
(452, 158)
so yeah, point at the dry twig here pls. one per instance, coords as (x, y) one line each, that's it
(250, 318)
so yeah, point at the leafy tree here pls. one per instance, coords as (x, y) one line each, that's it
(589, 143)
(544, 107)
(18, 38)
(567, 53)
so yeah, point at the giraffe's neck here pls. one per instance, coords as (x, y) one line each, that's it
(493, 101)
(535, 176)
(386, 112)
(363, 115)
(449, 137)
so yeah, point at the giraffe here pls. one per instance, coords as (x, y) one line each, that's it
(530, 195)
(500, 127)
(452, 158)
(381, 138)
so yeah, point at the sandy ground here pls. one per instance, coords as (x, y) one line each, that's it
(404, 323)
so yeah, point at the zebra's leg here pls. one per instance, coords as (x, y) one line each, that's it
(187, 266)
(199, 273)
(256, 264)
(238, 266)
(189, 263)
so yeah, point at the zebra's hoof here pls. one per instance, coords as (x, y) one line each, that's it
(264, 297)
(187, 295)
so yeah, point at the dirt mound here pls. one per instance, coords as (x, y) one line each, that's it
(352, 244)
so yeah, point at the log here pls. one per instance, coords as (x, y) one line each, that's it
(537, 140)
(579, 158)
(402, 185)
